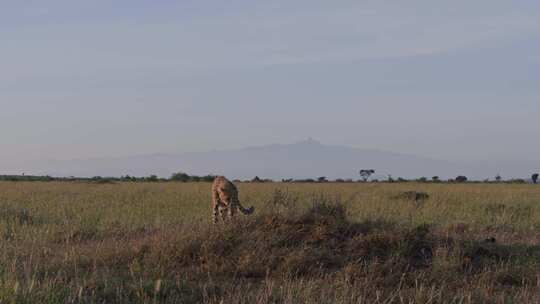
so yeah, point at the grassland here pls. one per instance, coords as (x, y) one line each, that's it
(69, 242)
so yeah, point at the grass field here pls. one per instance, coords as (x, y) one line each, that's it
(306, 243)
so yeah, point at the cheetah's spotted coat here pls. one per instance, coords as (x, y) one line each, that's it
(225, 198)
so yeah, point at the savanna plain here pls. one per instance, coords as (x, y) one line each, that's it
(137, 242)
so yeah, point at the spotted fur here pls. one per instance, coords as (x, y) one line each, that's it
(225, 199)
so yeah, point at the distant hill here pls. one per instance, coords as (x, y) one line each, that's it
(306, 159)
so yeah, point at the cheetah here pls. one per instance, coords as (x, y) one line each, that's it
(225, 198)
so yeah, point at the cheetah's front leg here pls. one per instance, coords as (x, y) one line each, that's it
(232, 209)
(215, 214)
(223, 214)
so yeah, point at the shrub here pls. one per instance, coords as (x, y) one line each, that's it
(461, 179)
(152, 178)
(181, 177)
(412, 195)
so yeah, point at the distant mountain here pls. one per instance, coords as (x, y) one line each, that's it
(306, 159)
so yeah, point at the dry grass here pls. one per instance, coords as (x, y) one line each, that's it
(307, 243)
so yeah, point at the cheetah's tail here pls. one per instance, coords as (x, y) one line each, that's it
(246, 211)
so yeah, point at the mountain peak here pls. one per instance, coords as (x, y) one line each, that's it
(306, 158)
(309, 142)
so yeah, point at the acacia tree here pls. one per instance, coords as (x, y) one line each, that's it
(534, 178)
(366, 173)
(322, 179)
(461, 179)
(180, 177)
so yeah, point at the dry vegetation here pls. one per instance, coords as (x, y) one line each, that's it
(307, 243)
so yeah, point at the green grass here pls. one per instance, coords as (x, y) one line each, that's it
(82, 242)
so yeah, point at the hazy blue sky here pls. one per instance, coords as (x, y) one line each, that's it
(457, 80)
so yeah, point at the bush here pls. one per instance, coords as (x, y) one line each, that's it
(412, 195)
(181, 177)
(152, 178)
(461, 179)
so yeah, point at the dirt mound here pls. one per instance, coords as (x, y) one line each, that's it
(318, 242)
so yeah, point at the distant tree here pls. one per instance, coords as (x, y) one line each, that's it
(180, 177)
(461, 179)
(534, 178)
(322, 179)
(152, 178)
(498, 178)
(256, 179)
(422, 179)
(339, 180)
(307, 180)
(366, 173)
(128, 178)
(208, 178)
(390, 179)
